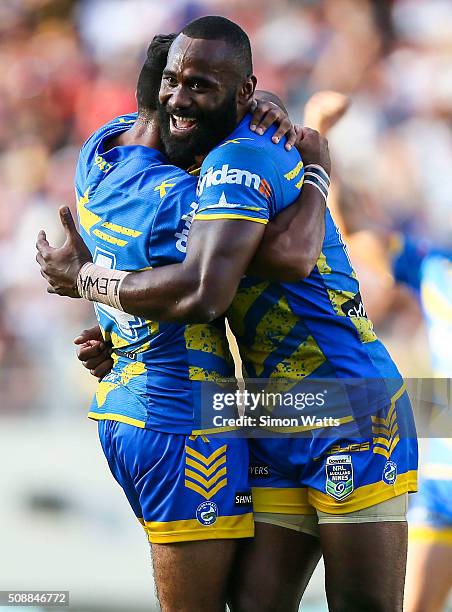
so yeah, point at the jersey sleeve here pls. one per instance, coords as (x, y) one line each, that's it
(237, 182)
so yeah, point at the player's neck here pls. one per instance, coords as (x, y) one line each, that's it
(144, 133)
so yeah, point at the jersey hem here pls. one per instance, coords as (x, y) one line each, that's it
(109, 416)
(365, 496)
(230, 527)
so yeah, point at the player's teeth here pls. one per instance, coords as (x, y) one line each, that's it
(183, 122)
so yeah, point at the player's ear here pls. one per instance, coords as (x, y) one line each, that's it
(246, 91)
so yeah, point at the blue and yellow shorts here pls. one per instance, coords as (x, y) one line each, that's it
(337, 471)
(181, 488)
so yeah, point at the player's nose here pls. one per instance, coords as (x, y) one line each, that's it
(179, 99)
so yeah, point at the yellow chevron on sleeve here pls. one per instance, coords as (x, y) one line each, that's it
(383, 431)
(386, 442)
(388, 420)
(299, 185)
(294, 172)
(108, 238)
(204, 470)
(87, 217)
(206, 460)
(206, 494)
(119, 229)
(387, 453)
(207, 484)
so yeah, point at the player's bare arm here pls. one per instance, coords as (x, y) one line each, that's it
(199, 289)
(219, 252)
(293, 240)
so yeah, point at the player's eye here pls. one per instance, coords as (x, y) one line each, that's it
(197, 85)
(170, 80)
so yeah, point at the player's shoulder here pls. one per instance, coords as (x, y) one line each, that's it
(246, 148)
(107, 130)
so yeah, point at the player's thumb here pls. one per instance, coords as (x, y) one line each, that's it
(67, 222)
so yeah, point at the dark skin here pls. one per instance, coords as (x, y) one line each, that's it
(185, 286)
(201, 288)
(189, 287)
(219, 252)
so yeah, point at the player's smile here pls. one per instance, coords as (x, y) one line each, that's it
(182, 125)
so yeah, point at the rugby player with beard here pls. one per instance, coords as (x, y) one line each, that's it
(315, 327)
(130, 204)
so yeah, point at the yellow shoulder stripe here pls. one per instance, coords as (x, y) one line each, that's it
(202, 217)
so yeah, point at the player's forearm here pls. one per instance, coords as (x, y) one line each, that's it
(175, 293)
(292, 242)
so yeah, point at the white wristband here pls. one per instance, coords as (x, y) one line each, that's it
(98, 284)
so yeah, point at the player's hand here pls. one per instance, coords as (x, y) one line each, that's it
(266, 114)
(60, 267)
(313, 148)
(94, 352)
(324, 109)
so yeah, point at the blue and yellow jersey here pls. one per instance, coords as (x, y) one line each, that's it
(135, 211)
(317, 327)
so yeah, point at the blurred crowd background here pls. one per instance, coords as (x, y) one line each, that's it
(66, 66)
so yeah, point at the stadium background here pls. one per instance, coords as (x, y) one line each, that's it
(65, 68)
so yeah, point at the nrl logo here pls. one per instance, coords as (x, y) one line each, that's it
(339, 476)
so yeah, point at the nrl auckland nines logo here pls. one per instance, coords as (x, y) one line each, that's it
(339, 476)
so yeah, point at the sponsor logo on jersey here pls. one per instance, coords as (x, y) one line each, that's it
(259, 471)
(182, 235)
(207, 513)
(339, 476)
(354, 307)
(389, 472)
(350, 448)
(233, 176)
(243, 499)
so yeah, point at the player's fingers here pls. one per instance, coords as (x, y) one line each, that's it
(258, 113)
(88, 351)
(42, 244)
(95, 362)
(299, 130)
(103, 369)
(274, 115)
(284, 129)
(67, 222)
(291, 138)
(40, 259)
(44, 275)
(93, 333)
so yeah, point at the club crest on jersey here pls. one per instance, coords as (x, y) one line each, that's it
(232, 176)
(339, 476)
(389, 475)
(207, 513)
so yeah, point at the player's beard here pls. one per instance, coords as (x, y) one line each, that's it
(211, 129)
